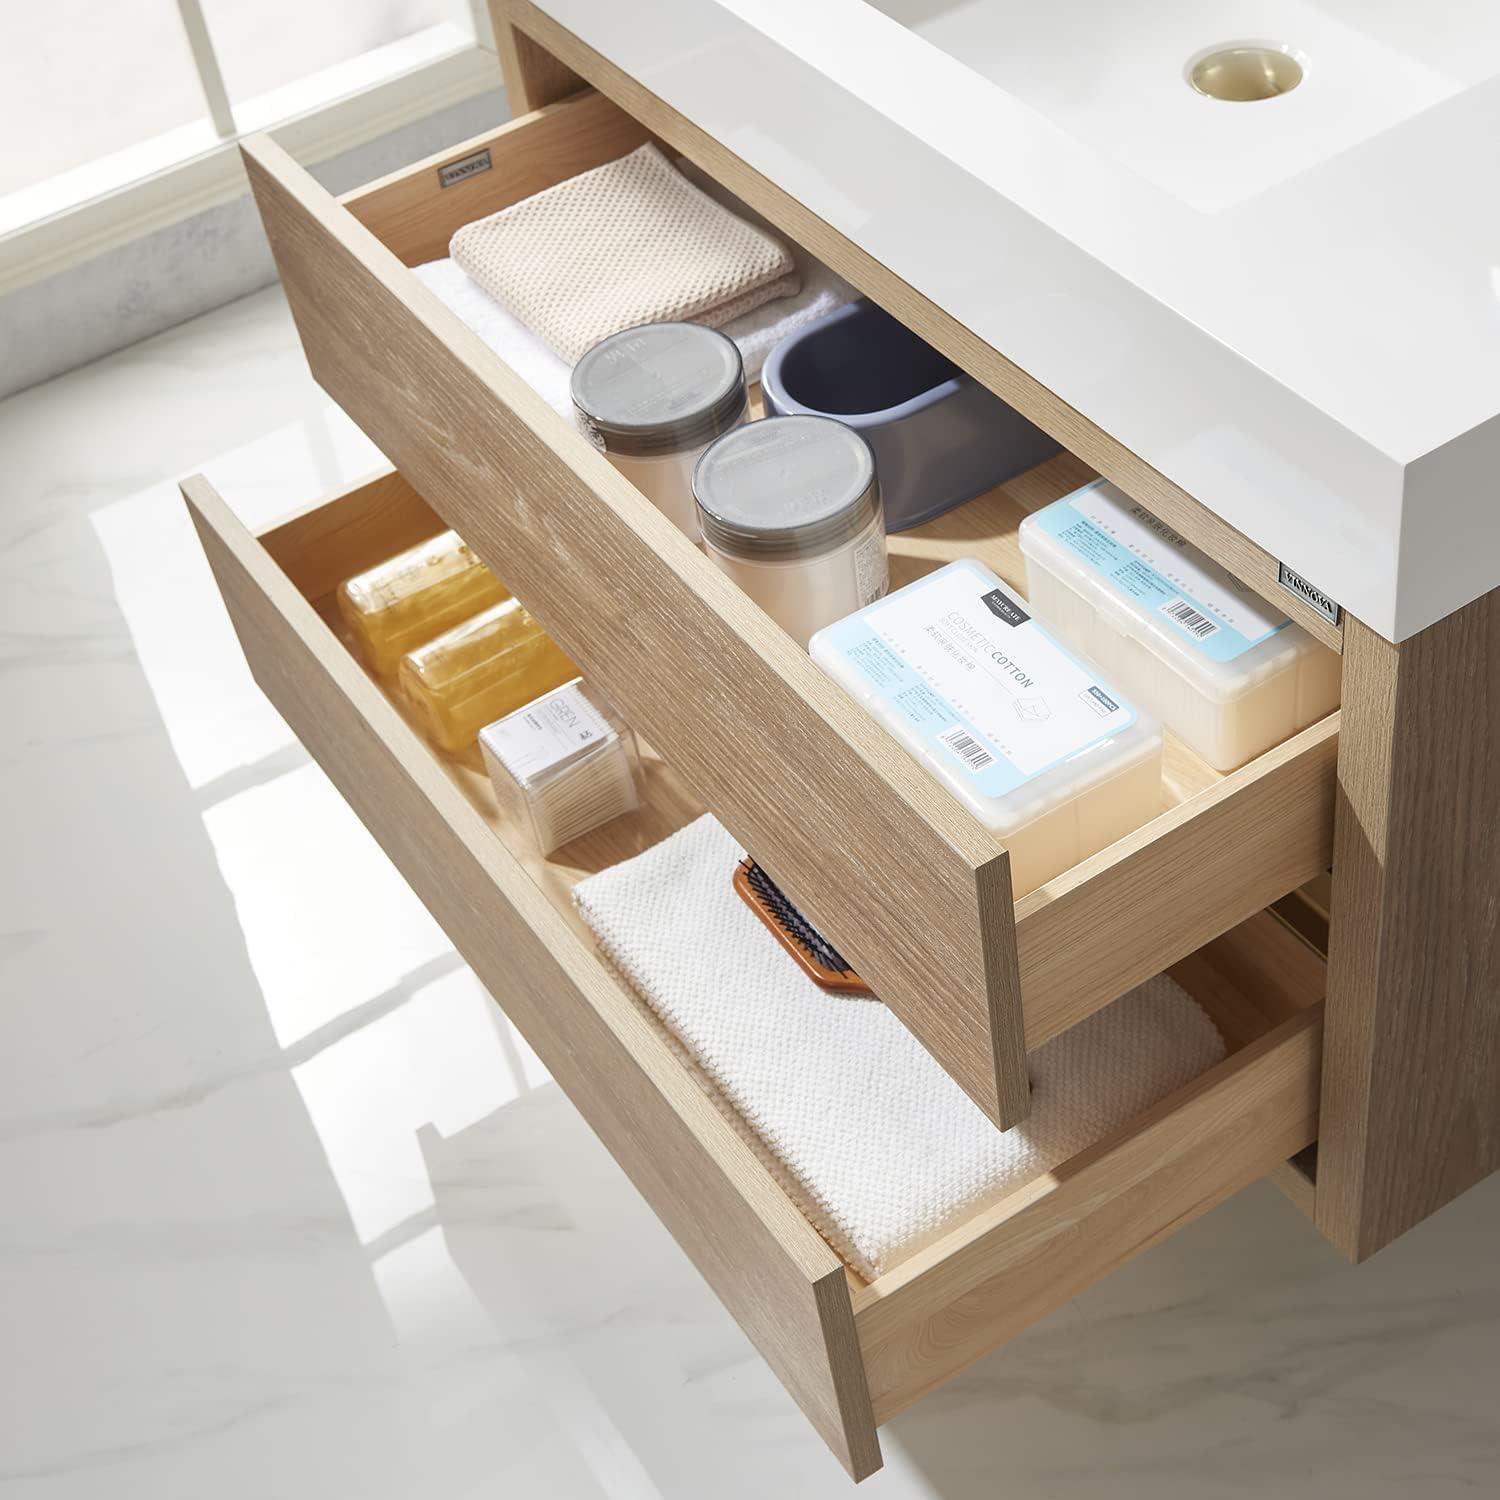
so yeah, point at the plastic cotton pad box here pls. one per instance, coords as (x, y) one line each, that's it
(1226, 672)
(1045, 751)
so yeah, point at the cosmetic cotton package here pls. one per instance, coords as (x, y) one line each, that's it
(568, 760)
(1044, 751)
(1224, 671)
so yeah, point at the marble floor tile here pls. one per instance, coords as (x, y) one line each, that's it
(287, 1209)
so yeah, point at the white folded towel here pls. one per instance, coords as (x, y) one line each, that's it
(545, 372)
(756, 333)
(879, 1147)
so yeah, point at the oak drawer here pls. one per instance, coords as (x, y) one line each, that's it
(902, 878)
(851, 1353)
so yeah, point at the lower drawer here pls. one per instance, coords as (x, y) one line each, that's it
(852, 1353)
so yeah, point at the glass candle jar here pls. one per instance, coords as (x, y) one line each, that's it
(790, 509)
(652, 398)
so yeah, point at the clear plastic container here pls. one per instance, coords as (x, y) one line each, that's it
(652, 398)
(480, 671)
(1226, 672)
(790, 509)
(1033, 739)
(409, 599)
(567, 761)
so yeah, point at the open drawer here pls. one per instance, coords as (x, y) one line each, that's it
(851, 1353)
(900, 876)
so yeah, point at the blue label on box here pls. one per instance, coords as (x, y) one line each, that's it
(977, 681)
(1146, 562)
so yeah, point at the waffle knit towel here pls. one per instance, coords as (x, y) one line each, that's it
(630, 242)
(879, 1147)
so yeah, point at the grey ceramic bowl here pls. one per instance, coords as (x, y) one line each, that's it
(939, 437)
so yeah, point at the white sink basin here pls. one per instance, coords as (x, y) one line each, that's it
(1115, 75)
(1289, 306)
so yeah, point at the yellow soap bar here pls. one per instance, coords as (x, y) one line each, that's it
(480, 671)
(414, 597)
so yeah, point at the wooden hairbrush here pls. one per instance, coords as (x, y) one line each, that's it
(813, 953)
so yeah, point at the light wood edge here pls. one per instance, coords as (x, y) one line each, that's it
(1411, 1087)
(952, 1304)
(1297, 1185)
(1029, 396)
(1179, 881)
(879, 853)
(328, 541)
(415, 217)
(782, 1282)
(533, 77)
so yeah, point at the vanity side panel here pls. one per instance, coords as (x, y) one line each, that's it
(1411, 1084)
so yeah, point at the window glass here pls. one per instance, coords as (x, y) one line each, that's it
(273, 44)
(85, 80)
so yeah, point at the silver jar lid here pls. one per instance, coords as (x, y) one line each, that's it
(786, 487)
(658, 389)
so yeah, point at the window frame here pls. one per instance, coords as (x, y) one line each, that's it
(109, 219)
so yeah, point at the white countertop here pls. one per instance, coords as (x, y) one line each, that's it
(1291, 307)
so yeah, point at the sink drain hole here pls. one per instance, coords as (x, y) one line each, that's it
(1244, 72)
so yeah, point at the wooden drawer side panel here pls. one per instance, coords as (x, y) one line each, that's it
(951, 1305)
(1204, 867)
(782, 1283)
(877, 852)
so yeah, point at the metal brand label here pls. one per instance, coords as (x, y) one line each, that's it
(1295, 583)
(464, 168)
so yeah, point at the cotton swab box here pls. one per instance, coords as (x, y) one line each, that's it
(571, 763)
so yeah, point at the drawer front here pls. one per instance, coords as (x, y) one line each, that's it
(908, 884)
(776, 1275)
(851, 1353)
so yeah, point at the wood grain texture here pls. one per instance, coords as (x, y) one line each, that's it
(510, 912)
(1411, 1092)
(1296, 1181)
(533, 76)
(896, 871)
(415, 216)
(349, 532)
(931, 1317)
(1226, 846)
(852, 828)
(1182, 879)
(987, 364)
(776, 1275)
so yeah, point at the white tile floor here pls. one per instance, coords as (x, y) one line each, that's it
(286, 1211)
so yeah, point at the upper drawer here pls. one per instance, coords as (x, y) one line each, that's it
(911, 888)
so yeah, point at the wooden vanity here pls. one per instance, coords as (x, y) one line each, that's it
(1395, 1074)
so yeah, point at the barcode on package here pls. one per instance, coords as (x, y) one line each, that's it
(1192, 620)
(966, 747)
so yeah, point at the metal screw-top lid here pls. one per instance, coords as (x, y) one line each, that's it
(658, 389)
(786, 487)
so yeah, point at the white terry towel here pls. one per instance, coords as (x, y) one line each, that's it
(882, 1151)
(756, 333)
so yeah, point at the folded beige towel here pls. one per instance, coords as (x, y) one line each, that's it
(630, 242)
